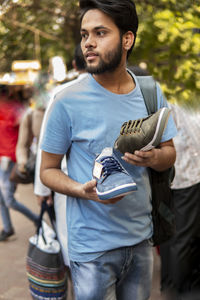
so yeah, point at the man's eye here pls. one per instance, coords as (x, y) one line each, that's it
(101, 33)
(84, 35)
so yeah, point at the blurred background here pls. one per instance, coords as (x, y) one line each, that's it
(37, 43)
(40, 36)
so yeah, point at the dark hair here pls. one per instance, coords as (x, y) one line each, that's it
(79, 59)
(122, 12)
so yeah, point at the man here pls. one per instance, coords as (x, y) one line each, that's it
(109, 249)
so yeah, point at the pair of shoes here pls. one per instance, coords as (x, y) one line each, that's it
(4, 235)
(112, 179)
(142, 134)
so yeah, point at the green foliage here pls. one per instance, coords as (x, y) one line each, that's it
(31, 29)
(169, 44)
(168, 40)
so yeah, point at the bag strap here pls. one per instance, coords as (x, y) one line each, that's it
(51, 213)
(149, 92)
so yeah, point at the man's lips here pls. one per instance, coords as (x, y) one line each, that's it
(91, 55)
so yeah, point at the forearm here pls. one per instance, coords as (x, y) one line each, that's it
(61, 183)
(24, 140)
(22, 155)
(52, 176)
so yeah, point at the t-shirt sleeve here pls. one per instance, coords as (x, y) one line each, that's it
(170, 131)
(57, 132)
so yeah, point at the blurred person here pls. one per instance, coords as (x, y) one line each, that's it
(30, 124)
(108, 241)
(44, 193)
(12, 107)
(180, 257)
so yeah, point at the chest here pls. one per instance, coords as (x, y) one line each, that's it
(99, 119)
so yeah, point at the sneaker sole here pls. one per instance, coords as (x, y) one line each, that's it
(117, 191)
(160, 127)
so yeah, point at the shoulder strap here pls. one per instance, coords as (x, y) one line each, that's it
(148, 89)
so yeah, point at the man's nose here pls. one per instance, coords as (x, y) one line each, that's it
(90, 42)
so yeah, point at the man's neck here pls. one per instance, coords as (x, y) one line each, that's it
(118, 82)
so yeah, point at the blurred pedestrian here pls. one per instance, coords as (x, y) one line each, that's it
(180, 257)
(108, 241)
(12, 108)
(30, 124)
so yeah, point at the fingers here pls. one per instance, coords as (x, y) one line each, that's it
(90, 193)
(90, 186)
(138, 155)
(40, 199)
(89, 190)
(111, 201)
(48, 199)
(133, 158)
(21, 168)
(139, 158)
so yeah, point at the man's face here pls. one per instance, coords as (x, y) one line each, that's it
(101, 42)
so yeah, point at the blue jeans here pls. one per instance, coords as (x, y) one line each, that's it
(120, 274)
(7, 200)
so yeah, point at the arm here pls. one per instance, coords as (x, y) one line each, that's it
(24, 141)
(40, 190)
(52, 176)
(158, 159)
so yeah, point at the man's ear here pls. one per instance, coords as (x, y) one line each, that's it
(128, 39)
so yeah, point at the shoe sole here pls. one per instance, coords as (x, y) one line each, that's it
(123, 190)
(160, 127)
(7, 237)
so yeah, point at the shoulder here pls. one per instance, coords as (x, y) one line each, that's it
(66, 95)
(71, 87)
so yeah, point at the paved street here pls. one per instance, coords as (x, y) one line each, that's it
(13, 281)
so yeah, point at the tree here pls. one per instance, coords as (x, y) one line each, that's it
(31, 29)
(168, 40)
(169, 43)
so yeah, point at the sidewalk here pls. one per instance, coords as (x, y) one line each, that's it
(13, 280)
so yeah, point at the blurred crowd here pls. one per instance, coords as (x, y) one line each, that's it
(22, 111)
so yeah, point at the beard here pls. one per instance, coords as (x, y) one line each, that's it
(109, 63)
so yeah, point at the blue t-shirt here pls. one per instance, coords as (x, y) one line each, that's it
(86, 118)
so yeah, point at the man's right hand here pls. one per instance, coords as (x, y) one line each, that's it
(89, 192)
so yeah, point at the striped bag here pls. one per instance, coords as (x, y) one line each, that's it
(45, 267)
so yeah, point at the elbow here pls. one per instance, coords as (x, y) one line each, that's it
(43, 176)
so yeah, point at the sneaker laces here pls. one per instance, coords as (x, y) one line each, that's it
(131, 126)
(110, 165)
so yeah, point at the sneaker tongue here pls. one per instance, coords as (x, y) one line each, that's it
(106, 152)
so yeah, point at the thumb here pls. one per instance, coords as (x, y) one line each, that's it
(90, 185)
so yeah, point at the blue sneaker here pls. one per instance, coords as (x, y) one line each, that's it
(112, 179)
